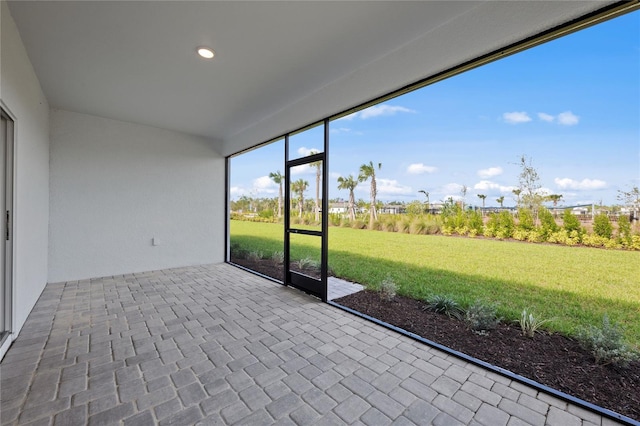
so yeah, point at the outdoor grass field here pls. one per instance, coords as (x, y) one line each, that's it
(574, 286)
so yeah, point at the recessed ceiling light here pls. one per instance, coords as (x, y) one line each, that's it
(205, 52)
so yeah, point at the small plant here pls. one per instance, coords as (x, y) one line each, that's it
(255, 255)
(530, 324)
(482, 316)
(444, 305)
(388, 289)
(606, 344)
(307, 263)
(278, 257)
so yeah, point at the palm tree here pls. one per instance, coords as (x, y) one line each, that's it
(318, 166)
(555, 198)
(426, 194)
(349, 183)
(369, 171)
(501, 201)
(517, 193)
(278, 178)
(298, 187)
(482, 197)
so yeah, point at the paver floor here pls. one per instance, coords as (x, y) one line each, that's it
(217, 345)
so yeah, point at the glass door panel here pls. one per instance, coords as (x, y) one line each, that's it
(305, 234)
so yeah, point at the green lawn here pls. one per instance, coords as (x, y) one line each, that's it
(572, 285)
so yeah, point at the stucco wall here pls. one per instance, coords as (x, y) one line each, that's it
(115, 186)
(22, 96)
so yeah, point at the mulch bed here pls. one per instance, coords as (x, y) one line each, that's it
(550, 359)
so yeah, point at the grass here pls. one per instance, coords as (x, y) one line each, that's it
(575, 286)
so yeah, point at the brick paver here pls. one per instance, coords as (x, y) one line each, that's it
(216, 345)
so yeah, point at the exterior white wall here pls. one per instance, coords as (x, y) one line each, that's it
(21, 94)
(115, 186)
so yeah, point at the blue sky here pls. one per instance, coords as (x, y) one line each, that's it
(572, 106)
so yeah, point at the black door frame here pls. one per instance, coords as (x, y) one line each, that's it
(308, 284)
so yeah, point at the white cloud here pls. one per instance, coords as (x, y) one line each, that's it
(568, 118)
(236, 191)
(305, 152)
(378, 111)
(584, 184)
(349, 117)
(490, 172)
(264, 184)
(391, 187)
(516, 117)
(419, 168)
(304, 169)
(451, 188)
(487, 185)
(546, 117)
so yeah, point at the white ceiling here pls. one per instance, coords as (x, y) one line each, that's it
(278, 65)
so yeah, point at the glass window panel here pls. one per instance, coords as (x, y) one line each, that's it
(306, 142)
(306, 196)
(256, 195)
(305, 254)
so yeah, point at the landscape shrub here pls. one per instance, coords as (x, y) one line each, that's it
(570, 222)
(462, 230)
(255, 255)
(388, 289)
(266, 214)
(277, 257)
(520, 234)
(558, 237)
(525, 219)
(593, 240)
(307, 263)
(433, 225)
(378, 225)
(418, 226)
(529, 324)
(624, 230)
(548, 223)
(358, 224)
(602, 226)
(415, 208)
(335, 219)
(482, 316)
(475, 223)
(403, 225)
(443, 305)
(500, 225)
(389, 224)
(606, 344)
(236, 251)
(535, 236)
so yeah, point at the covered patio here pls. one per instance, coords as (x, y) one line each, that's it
(214, 344)
(116, 143)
